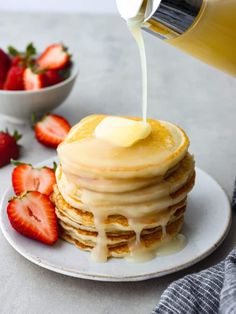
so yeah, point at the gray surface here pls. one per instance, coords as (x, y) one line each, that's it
(181, 90)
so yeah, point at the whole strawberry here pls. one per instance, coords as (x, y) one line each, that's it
(9, 149)
(14, 80)
(52, 77)
(5, 64)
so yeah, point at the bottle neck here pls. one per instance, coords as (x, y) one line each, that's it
(173, 17)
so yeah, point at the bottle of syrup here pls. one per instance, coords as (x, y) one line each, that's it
(205, 29)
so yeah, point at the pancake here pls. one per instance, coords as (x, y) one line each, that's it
(134, 213)
(85, 218)
(111, 185)
(84, 155)
(169, 185)
(118, 224)
(120, 235)
(122, 201)
(90, 237)
(150, 242)
(134, 209)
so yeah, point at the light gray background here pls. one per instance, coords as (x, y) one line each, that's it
(88, 6)
(181, 89)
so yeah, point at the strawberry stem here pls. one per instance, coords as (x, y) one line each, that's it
(30, 50)
(33, 118)
(17, 135)
(64, 48)
(54, 166)
(17, 197)
(12, 198)
(26, 57)
(18, 163)
(13, 51)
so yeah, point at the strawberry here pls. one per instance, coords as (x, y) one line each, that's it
(17, 61)
(26, 178)
(33, 215)
(52, 77)
(33, 81)
(25, 58)
(51, 130)
(54, 57)
(14, 80)
(5, 64)
(8, 147)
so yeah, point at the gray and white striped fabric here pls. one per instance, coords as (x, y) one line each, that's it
(211, 291)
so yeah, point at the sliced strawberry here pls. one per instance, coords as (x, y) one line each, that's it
(52, 77)
(33, 215)
(5, 63)
(32, 81)
(26, 178)
(14, 80)
(51, 130)
(54, 57)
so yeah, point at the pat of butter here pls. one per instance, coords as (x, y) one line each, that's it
(122, 132)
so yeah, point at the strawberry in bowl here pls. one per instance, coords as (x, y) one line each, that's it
(32, 83)
(28, 71)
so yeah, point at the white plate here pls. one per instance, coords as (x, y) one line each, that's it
(206, 225)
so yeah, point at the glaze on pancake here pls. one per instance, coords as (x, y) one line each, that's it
(169, 185)
(151, 242)
(84, 219)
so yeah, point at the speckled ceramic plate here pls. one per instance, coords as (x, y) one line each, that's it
(206, 225)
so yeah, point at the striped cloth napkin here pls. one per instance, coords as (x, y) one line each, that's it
(210, 291)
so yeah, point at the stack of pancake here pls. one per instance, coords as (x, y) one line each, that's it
(122, 201)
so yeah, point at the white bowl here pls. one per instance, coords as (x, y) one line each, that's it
(18, 106)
